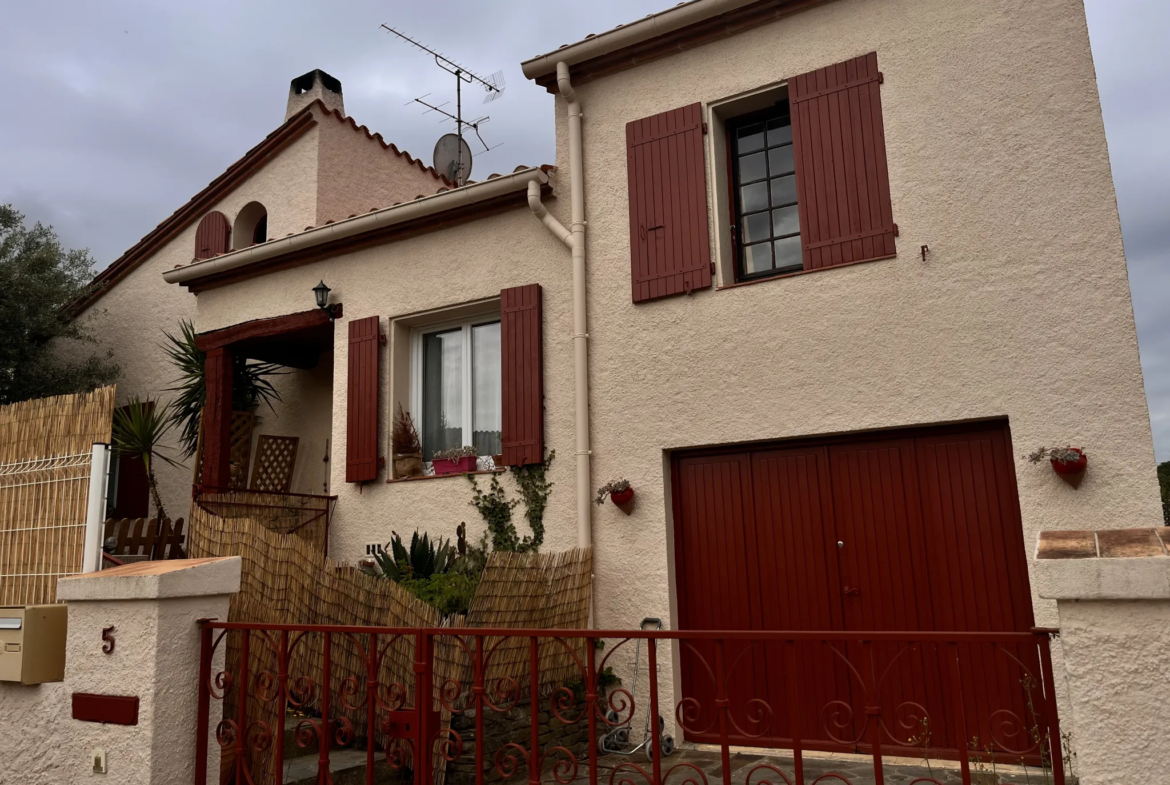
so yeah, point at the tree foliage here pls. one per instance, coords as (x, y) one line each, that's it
(44, 348)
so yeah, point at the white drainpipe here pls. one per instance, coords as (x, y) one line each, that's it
(574, 237)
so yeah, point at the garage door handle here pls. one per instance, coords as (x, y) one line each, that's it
(852, 590)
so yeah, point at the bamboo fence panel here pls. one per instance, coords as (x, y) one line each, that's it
(285, 579)
(46, 447)
(303, 515)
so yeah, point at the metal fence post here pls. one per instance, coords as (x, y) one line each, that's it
(203, 712)
(95, 514)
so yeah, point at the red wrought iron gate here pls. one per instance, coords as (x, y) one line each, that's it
(383, 691)
(907, 532)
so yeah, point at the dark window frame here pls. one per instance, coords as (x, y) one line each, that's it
(733, 125)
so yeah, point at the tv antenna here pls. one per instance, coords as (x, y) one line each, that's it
(456, 169)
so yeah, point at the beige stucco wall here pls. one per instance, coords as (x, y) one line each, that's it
(462, 264)
(355, 174)
(1115, 652)
(997, 160)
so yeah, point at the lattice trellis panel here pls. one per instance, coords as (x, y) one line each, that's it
(276, 456)
(241, 449)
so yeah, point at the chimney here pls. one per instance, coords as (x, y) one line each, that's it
(314, 85)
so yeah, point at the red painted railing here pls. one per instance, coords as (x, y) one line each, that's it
(921, 694)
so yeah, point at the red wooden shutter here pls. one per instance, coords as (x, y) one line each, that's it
(669, 248)
(212, 235)
(843, 186)
(522, 372)
(361, 425)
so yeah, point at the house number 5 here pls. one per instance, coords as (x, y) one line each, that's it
(108, 638)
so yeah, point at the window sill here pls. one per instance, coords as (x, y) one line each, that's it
(445, 476)
(740, 284)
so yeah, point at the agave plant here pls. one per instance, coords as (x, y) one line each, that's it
(251, 385)
(424, 558)
(139, 428)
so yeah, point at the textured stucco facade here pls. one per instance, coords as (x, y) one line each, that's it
(1021, 309)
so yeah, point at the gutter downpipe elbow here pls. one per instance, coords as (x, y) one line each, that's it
(552, 224)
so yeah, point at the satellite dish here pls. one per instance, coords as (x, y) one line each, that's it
(448, 158)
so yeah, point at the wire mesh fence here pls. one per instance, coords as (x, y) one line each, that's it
(46, 448)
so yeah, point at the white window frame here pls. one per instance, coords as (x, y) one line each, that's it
(416, 368)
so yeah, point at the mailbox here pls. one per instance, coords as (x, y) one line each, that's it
(32, 643)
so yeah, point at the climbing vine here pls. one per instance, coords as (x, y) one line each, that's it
(495, 507)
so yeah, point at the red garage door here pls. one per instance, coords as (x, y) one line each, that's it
(910, 531)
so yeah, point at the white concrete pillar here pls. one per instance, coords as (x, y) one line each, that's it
(1112, 590)
(153, 608)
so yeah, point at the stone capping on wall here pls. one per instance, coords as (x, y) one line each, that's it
(1111, 564)
(152, 580)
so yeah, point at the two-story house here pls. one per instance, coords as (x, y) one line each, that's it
(814, 275)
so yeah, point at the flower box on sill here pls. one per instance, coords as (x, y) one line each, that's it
(454, 465)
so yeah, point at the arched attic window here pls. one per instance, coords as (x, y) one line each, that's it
(211, 237)
(251, 226)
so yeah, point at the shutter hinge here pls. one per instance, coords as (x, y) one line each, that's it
(704, 128)
(381, 461)
(881, 78)
(712, 268)
(382, 338)
(896, 230)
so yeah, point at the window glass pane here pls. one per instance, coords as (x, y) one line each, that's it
(753, 197)
(751, 167)
(780, 160)
(757, 258)
(784, 189)
(779, 131)
(750, 138)
(756, 228)
(788, 253)
(486, 413)
(786, 220)
(442, 392)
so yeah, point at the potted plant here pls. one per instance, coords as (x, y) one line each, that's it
(407, 447)
(458, 460)
(1066, 461)
(619, 492)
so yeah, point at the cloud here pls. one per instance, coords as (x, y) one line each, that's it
(118, 112)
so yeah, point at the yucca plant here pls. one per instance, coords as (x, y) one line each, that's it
(139, 428)
(251, 385)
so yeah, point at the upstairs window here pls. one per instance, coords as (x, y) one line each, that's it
(457, 391)
(766, 229)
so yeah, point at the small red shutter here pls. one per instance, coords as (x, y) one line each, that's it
(212, 235)
(361, 425)
(522, 371)
(669, 248)
(843, 186)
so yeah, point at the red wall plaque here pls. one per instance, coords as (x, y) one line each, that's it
(111, 709)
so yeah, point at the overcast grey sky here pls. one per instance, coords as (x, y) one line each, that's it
(118, 112)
